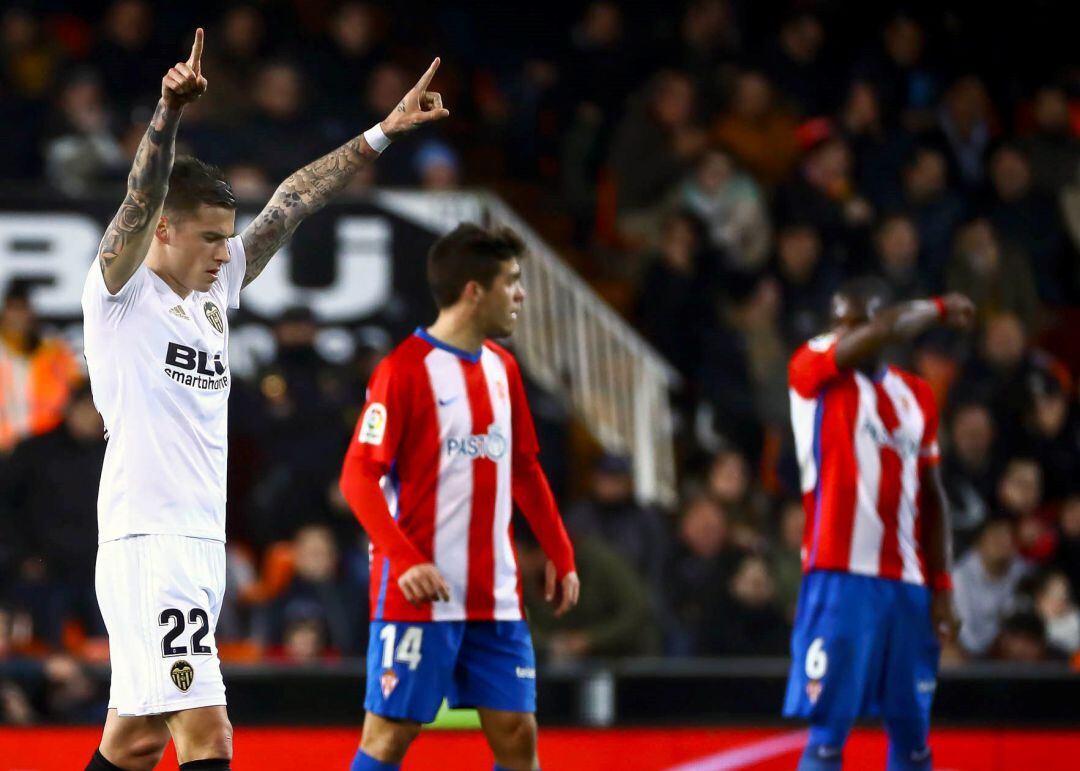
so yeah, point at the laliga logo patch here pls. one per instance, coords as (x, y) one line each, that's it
(388, 682)
(183, 675)
(213, 315)
(373, 425)
(813, 691)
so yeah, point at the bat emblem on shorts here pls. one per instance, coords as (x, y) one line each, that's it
(183, 675)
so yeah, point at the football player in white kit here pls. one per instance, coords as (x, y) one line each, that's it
(155, 302)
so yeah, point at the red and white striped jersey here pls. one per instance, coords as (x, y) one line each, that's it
(863, 444)
(444, 427)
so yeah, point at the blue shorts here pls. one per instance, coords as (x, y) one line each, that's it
(413, 666)
(861, 647)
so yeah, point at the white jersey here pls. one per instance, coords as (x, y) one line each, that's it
(159, 370)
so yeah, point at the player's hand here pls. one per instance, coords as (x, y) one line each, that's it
(943, 616)
(424, 583)
(184, 83)
(959, 310)
(568, 590)
(417, 107)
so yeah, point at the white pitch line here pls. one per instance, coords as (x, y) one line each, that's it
(748, 754)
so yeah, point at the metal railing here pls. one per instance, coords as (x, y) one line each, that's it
(573, 344)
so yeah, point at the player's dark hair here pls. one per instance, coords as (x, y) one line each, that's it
(866, 289)
(469, 253)
(193, 183)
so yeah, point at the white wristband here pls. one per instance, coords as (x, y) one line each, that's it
(376, 138)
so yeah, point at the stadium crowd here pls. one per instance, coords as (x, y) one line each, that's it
(715, 173)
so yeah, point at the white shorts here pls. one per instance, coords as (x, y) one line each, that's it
(160, 596)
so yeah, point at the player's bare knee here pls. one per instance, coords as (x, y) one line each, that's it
(142, 753)
(388, 740)
(513, 739)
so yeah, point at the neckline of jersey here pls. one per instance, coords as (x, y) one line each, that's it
(461, 353)
(168, 295)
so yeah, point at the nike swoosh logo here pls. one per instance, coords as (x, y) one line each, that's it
(451, 400)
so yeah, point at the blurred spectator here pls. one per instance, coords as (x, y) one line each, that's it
(896, 245)
(633, 531)
(600, 63)
(700, 564)
(730, 483)
(985, 581)
(823, 193)
(758, 132)
(37, 372)
(673, 308)
(234, 56)
(731, 205)
(437, 167)
(967, 470)
(1020, 496)
(1052, 148)
(384, 88)
(81, 150)
(1053, 432)
(654, 146)
(1022, 639)
(786, 559)
(250, 183)
(996, 277)
(303, 423)
(29, 59)
(126, 56)
(315, 594)
(614, 618)
(304, 640)
(936, 209)
(1030, 219)
(904, 79)
(807, 282)
(278, 134)
(797, 67)
(709, 40)
(1067, 557)
(964, 130)
(878, 150)
(1056, 607)
(50, 483)
(343, 60)
(747, 621)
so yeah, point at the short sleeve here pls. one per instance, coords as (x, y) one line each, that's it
(101, 305)
(234, 270)
(813, 366)
(382, 422)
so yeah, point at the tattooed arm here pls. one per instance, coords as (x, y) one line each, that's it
(127, 239)
(306, 191)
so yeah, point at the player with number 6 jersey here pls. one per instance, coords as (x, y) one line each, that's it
(444, 448)
(875, 601)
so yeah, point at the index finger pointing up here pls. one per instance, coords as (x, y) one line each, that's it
(422, 84)
(194, 61)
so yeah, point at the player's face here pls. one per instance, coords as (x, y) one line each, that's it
(196, 250)
(500, 305)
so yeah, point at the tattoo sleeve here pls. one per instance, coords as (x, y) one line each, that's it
(127, 237)
(300, 195)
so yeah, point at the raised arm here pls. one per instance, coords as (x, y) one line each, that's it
(902, 321)
(306, 191)
(127, 239)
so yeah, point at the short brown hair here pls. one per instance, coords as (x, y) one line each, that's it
(193, 183)
(469, 253)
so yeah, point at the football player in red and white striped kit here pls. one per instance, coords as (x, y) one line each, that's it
(444, 448)
(876, 597)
